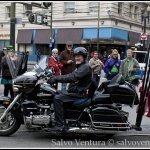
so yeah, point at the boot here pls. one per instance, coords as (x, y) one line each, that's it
(148, 115)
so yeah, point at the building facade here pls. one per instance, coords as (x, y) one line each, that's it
(96, 25)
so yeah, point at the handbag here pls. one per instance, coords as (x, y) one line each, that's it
(114, 69)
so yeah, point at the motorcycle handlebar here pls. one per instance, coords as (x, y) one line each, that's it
(45, 75)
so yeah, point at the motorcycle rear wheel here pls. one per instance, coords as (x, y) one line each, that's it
(10, 124)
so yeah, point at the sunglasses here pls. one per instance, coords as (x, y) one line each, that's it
(69, 45)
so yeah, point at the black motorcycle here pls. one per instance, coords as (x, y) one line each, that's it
(33, 106)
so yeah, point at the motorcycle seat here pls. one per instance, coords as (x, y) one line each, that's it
(82, 103)
(100, 98)
(112, 87)
(118, 79)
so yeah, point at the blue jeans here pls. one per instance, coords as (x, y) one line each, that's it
(64, 86)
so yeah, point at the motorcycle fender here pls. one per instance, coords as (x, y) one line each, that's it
(17, 113)
(16, 110)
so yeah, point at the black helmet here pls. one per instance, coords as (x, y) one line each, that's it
(80, 51)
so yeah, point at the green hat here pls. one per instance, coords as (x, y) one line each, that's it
(10, 48)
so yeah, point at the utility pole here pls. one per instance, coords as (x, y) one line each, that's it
(12, 23)
(98, 27)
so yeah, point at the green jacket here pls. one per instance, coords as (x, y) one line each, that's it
(129, 68)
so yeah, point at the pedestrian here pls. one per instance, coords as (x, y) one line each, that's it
(55, 63)
(97, 66)
(7, 76)
(122, 55)
(112, 65)
(105, 56)
(129, 67)
(1, 56)
(38, 54)
(67, 59)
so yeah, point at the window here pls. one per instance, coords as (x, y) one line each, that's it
(93, 7)
(24, 11)
(120, 8)
(7, 11)
(131, 11)
(69, 7)
(136, 12)
(43, 49)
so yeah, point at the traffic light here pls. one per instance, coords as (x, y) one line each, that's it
(46, 4)
(31, 18)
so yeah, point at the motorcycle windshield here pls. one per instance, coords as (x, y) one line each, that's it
(14, 64)
(41, 65)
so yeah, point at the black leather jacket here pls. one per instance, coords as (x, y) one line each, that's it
(80, 79)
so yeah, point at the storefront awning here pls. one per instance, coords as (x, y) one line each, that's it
(24, 36)
(42, 36)
(64, 35)
(105, 33)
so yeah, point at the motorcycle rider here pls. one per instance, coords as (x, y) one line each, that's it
(80, 79)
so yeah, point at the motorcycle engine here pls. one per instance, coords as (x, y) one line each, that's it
(37, 114)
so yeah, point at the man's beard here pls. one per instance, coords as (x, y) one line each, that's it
(69, 49)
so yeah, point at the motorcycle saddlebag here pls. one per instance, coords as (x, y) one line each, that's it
(124, 95)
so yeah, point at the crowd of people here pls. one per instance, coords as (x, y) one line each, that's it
(64, 64)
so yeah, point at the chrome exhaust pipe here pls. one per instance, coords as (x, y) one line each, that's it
(93, 131)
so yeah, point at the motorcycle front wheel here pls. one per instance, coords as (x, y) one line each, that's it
(10, 124)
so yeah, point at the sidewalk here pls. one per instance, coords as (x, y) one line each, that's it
(132, 119)
(1, 89)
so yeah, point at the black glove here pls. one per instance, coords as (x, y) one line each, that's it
(52, 80)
